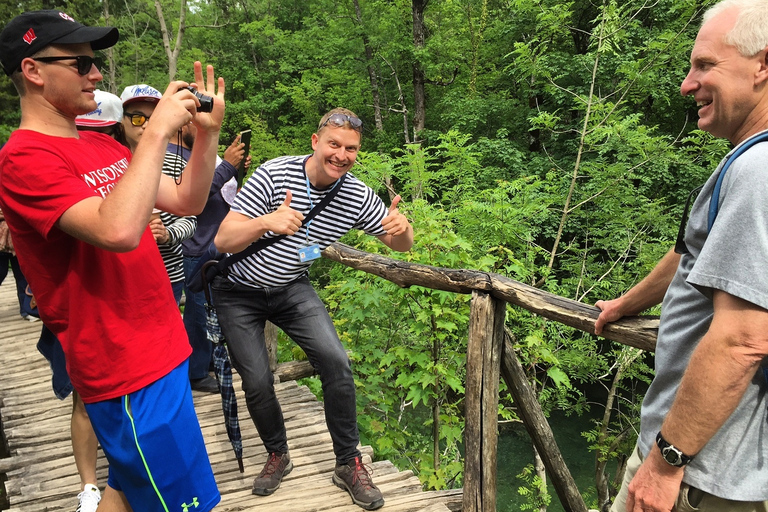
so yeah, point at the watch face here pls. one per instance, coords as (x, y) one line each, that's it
(672, 456)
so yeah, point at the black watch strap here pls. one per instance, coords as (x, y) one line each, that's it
(672, 455)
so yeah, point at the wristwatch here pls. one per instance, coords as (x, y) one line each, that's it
(672, 455)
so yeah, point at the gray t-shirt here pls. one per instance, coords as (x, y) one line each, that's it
(732, 257)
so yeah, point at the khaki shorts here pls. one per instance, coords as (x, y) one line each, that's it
(690, 498)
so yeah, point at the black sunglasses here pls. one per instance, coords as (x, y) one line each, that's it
(84, 62)
(137, 119)
(339, 120)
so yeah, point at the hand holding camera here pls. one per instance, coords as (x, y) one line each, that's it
(206, 102)
(210, 94)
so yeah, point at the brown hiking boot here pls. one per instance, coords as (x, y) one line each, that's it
(354, 477)
(278, 465)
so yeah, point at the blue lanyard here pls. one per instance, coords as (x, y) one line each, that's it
(311, 204)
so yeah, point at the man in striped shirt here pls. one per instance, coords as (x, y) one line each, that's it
(272, 284)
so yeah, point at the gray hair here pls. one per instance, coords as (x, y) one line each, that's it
(750, 33)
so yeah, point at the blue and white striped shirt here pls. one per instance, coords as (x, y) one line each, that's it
(355, 206)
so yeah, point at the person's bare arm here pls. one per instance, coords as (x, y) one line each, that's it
(721, 367)
(117, 221)
(189, 197)
(645, 294)
(238, 231)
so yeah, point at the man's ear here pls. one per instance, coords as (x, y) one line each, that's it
(315, 139)
(30, 68)
(761, 77)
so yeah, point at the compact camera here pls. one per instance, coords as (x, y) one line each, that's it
(206, 102)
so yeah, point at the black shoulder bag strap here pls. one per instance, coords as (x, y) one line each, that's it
(213, 268)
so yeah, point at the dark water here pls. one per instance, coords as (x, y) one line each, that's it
(516, 451)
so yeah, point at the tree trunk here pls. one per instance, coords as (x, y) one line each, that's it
(606, 492)
(374, 79)
(172, 54)
(112, 85)
(436, 390)
(419, 99)
(476, 39)
(371, 71)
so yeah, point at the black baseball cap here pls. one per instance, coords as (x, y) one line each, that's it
(28, 33)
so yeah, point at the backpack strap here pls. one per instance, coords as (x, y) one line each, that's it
(714, 200)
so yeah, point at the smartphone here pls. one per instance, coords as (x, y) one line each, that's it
(245, 138)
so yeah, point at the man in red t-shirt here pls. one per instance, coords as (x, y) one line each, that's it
(78, 206)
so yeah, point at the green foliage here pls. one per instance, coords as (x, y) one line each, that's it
(534, 492)
(393, 334)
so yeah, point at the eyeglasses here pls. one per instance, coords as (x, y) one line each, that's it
(137, 119)
(84, 62)
(339, 120)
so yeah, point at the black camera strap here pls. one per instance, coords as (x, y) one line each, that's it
(213, 268)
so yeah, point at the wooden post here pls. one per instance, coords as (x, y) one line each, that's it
(486, 334)
(536, 424)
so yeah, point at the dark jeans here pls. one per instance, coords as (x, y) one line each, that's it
(300, 313)
(49, 346)
(7, 258)
(194, 321)
(177, 288)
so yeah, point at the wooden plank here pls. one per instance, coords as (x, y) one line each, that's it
(42, 475)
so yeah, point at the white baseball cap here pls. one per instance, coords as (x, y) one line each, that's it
(109, 111)
(140, 92)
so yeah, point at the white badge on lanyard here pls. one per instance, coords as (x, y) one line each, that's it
(309, 252)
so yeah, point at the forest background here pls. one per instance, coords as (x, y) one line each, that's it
(545, 140)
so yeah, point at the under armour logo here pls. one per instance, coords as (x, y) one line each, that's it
(29, 36)
(185, 507)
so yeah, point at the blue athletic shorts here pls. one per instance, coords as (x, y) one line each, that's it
(155, 448)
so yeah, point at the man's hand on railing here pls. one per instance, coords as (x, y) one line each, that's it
(610, 311)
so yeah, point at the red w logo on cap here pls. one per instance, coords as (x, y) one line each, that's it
(29, 36)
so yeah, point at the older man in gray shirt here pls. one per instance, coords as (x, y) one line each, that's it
(702, 443)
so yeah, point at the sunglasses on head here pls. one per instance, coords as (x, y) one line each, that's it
(84, 62)
(340, 120)
(137, 119)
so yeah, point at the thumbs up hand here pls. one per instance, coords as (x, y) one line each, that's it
(395, 223)
(285, 220)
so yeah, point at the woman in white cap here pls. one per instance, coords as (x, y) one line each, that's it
(106, 118)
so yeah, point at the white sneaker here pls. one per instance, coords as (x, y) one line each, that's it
(89, 499)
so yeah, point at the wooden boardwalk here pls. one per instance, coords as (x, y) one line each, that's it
(41, 474)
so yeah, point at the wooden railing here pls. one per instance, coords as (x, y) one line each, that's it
(490, 354)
